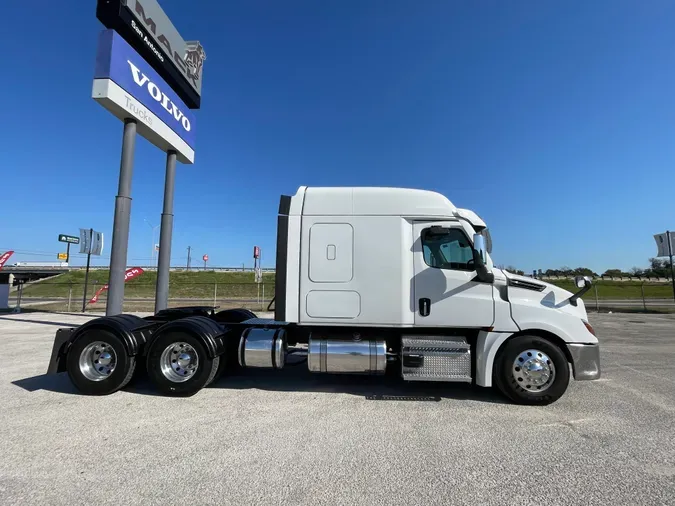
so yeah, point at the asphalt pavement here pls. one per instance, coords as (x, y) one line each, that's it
(293, 438)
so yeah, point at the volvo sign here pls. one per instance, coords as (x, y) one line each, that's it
(150, 78)
(126, 85)
(146, 27)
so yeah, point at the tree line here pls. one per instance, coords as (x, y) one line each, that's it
(658, 268)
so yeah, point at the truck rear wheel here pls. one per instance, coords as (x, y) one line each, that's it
(532, 370)
(179, 365)
(98, 363)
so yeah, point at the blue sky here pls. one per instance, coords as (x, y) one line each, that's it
(554, 121)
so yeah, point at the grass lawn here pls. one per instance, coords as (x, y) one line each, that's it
(200, 284)
(181, 285)
(620, 289)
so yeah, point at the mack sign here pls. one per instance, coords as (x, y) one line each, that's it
(127, 85)
(145, 25)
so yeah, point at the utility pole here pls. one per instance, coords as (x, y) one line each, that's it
(187, 267)
(670, 253)
(152, 251)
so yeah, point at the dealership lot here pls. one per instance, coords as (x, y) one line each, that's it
(292, 438)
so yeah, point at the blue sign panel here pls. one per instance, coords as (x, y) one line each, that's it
(118, 61)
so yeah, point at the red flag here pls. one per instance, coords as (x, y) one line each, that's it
(132, 273)
(4, 257)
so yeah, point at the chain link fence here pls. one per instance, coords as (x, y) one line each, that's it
(630, 296)
(139, 296)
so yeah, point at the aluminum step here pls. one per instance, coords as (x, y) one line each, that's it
(435, 358)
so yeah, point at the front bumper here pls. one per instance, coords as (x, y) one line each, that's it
(585, 361)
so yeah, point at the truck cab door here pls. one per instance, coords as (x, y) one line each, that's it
(446, 289)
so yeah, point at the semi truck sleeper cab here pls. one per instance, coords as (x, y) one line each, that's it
(368, 280)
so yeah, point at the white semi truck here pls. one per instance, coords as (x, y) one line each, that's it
(368, 280)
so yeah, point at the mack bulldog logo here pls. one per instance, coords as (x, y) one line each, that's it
(194, 57)
(144, 82)
(190, 64)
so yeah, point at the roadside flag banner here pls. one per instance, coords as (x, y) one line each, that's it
(4, 257)
(132, 273)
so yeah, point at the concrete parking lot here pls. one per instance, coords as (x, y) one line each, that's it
(290, 438)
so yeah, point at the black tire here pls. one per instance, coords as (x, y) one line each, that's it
(205, 373)
(505, 380)
(118, 378)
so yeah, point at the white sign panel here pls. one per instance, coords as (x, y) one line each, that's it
(97, 243)
(85, 240)
(91, 242)
(662, 244)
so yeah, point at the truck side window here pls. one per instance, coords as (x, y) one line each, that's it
(449, 251)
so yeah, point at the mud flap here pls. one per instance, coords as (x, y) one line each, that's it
(57, 363)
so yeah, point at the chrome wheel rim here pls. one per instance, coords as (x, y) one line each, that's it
(98, 361)
(533, 370)
(179, 362)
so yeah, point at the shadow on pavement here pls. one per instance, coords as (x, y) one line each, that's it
(59, 383)
(373, 388)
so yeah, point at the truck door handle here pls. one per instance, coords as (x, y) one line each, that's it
(425, 307)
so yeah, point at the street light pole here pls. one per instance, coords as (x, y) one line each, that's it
(152, 253)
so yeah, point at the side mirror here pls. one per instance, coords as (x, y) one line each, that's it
(582, 282)
(480, 257)
(480, 247)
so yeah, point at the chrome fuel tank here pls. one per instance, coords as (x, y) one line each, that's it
(345, 356)
(262, 347)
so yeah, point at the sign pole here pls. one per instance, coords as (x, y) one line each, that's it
(120, 238)
(670, 254)
(86, 272)
(67, 252)
(164, 260)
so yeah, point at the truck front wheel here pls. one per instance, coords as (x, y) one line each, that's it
(179, 365)
(531, 370)
(98, 363)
